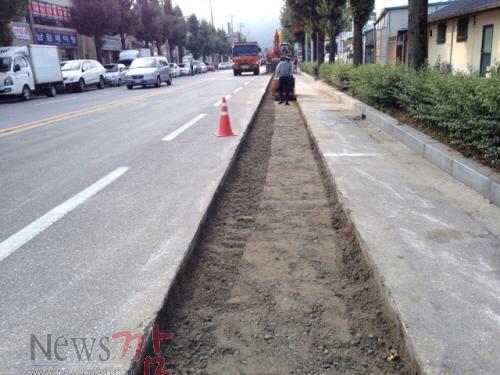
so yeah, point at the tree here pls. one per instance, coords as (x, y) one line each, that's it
(179, 31)
(308, 11)
(95, 19)
(292, 26)
(194, 38)
(417, 33)
(124, 20)
(9, 10)
(151, 27)
(360, 10)
(222, 45)
(333, 13)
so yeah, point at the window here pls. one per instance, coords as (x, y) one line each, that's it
(21, 62)
(87, 66)
(462, 29)
(45, 13)
(441, 37)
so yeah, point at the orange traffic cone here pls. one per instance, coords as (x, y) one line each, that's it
(224, 122)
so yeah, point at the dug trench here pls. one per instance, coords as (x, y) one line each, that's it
(277, 283)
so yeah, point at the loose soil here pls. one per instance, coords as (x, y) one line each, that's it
(277, 283)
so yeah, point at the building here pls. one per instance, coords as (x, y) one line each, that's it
(49, 23)
(391, 33)
(369, 45)
(466, 35)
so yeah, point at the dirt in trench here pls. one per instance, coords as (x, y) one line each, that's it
(277, 283)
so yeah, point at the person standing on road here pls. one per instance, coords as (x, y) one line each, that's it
(284, 72)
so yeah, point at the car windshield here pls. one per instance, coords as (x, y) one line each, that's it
(5, 64)
(71, 65)
(245, 50)
(111, 68)
(143, 63)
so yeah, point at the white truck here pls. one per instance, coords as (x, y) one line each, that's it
(127, 56)
(30, 69)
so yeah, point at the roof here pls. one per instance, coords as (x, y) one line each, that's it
(463, 7)
(400, 7)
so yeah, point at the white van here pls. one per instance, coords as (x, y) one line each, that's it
(127, 56)
(29, 69)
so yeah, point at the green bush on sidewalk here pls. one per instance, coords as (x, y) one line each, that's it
(464, 108)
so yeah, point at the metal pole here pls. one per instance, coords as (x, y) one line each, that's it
(211, 12)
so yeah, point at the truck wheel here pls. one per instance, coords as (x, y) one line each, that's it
(235, 73)
(158, 82)
(101, 84)
(169, 82)
(51, 91)
(256, 72)
(81, 85)
(26, 93)
(130, 87)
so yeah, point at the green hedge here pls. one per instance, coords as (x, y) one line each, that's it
(463, 107)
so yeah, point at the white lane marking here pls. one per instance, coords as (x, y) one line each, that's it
(183, 128)
(246, 83)
(237, 90)
(219, 102)
(347, 154)
(26, 234)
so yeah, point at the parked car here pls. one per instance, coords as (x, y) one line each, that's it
(176, 71)
(225, 65)
(185, 69)
(78, 74)
(115, 74)
(197, 69)
(211, 67)
(203, 67)
(30, 69)
(146, 71)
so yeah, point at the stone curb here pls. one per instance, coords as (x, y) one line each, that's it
(476, 176)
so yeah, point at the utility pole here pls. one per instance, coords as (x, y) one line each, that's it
(211, 12)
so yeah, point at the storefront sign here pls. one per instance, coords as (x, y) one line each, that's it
(56, 38)
(21, 32)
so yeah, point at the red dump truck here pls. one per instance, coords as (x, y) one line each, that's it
(246, 58)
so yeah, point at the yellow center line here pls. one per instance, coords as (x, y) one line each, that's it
(68, 115)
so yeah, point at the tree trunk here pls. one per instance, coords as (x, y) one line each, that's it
(303, 46)
(321, 47)
(122, 38)
(158, 47)
(333, 49)
(314, 51)
(98, 46)
(417, 33)
(357, 44)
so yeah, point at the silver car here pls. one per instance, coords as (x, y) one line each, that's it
(115, 74)
(146, 71)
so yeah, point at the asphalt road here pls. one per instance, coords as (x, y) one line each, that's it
(98, 190)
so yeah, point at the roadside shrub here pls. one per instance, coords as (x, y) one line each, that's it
(378, 84)
(464, 108)
(338, 74)
(310, 68)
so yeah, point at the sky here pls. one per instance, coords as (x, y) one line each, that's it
(258, 18)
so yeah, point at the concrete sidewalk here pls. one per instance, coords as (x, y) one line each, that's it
(433, 242)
